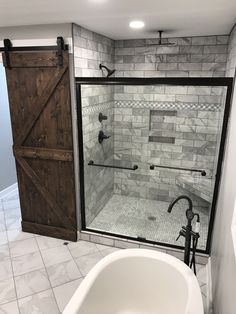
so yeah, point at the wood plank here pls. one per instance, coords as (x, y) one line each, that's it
(43, 153)
(32, 59)
(39, 104)
(54, 232)
(57, 210)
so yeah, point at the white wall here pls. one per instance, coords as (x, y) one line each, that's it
(36, 35)
(223, 260)
(7, 162)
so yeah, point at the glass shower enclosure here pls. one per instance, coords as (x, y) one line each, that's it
(144, 142)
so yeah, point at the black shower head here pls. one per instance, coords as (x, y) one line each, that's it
(109, 72)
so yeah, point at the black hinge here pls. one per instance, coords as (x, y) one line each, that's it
(7, 48)
(60, 49)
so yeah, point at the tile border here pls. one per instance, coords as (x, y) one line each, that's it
(166, 105)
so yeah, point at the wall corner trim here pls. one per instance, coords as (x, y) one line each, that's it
(209, 287)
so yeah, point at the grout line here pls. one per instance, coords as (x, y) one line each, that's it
(48, 277)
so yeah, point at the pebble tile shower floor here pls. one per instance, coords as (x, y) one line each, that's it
(145, 218)
(40, 274)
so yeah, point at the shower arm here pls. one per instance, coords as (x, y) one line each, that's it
(203, 172)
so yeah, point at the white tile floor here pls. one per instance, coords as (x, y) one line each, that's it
(38, 275)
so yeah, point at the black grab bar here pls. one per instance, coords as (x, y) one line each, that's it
(91, 163)
(203, 172)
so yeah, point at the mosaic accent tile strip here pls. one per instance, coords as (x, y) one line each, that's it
(166, 105)
(92, 109)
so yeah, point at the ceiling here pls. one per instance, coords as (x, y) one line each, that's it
(112, 17)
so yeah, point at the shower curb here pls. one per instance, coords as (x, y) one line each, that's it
(125, 244)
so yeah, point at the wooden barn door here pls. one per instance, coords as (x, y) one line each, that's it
(40, 106)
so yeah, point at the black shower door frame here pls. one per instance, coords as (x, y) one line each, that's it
(187, 81)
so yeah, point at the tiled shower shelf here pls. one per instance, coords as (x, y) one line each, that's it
(201, 187)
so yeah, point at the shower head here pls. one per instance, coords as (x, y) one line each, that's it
(109, 72)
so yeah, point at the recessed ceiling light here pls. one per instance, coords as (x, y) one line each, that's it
(136, 24)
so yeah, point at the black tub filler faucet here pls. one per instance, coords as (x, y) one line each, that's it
(187, 231)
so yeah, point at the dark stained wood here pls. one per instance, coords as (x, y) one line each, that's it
(40, 106)
(54, 232)
(43, 153)
(32, 59)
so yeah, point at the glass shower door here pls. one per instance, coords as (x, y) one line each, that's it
(158, 142)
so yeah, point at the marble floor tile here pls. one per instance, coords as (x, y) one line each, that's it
(56, 255)
(63, 272)
(64, 293)
(31, 283)
(2, 222)
(9, 308)
(13, 223)
(4, 252)
(101, 247)
(81, 248)
(85, 263)
(7, 291)
(27, 263)
(11, 204)
(18, 235)
(39, 303)
(3, 237)
(23, 247)
(109, 251)
(48, 243)
(5, 270)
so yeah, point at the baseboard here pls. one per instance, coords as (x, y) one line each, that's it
(209, 288)
(8, 190)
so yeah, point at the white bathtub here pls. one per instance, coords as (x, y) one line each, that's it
(138, 281)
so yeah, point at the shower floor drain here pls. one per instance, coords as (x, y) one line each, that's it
(152, 218)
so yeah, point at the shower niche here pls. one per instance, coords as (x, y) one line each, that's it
(164, 138)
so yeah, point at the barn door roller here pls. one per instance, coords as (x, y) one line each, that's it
(59, 48)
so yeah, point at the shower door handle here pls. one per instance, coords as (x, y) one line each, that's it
(91, 163)
(203, 172)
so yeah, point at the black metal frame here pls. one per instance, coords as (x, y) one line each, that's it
(59, 48)
(194, 81)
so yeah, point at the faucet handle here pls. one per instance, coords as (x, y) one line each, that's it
(178, 237)
(182, 233)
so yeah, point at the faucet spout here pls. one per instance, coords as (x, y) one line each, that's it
(178, 199)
